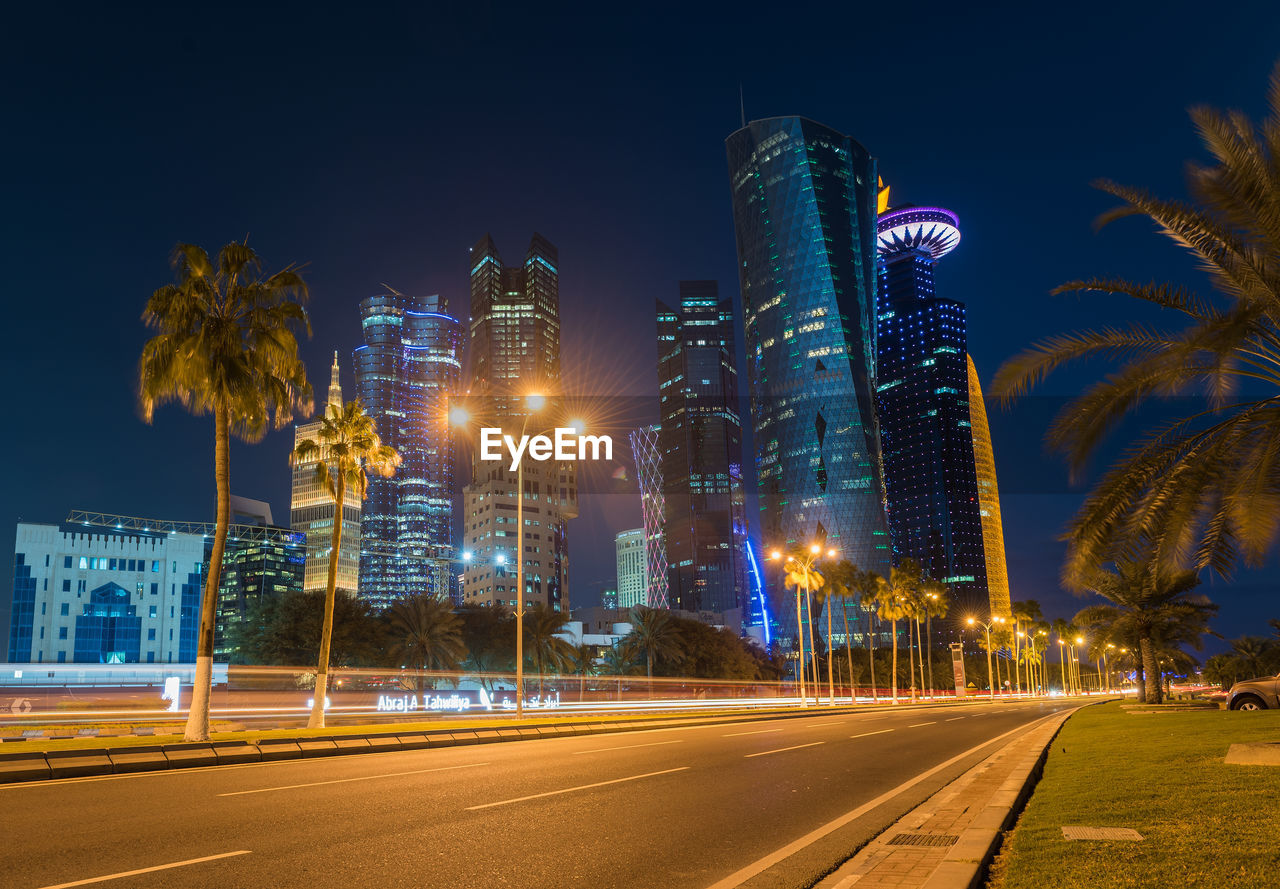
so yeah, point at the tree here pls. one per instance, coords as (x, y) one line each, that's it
(285, 631)
(226, 344)
(489, 636)
(799, 574)
(543, 626)
(425, 634)
(707, 652)
(936, 604)
(1153, 607)
(346, 448)
(1205, 488)
(1252, 653)
(893, 603)
(655, 635)
(847, 584)
(619, 659)
(583, 661)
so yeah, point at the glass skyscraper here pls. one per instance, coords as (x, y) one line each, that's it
(700, 446)
(644, 447)
(804, 208)
(408, 368)
(923, 399)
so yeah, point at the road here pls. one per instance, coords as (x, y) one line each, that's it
(695, 806)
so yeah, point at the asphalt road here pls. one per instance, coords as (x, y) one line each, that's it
(697, 806)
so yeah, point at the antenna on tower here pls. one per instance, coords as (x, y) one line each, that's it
(742, 105)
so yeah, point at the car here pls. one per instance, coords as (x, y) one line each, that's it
(1255, 694)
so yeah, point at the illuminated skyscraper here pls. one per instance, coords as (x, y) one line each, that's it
(633, 581)
(984, 460)
(923, 400)
(804, 207)
(409, 366)
(311, 512)
(700, 446)
(515, 351)
(644, 447)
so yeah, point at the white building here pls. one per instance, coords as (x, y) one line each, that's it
(91, 594)
(633, 572)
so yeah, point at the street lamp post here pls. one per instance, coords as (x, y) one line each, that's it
(1062, 663)
(803, 563)
(990, 681)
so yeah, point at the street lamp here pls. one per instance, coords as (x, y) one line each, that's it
(990, 682)
(802, 563)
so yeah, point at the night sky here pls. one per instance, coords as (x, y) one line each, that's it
(376, 146)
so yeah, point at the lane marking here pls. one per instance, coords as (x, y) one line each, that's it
(740, 876)
(918, 724)
(763, 731)
(836, 722)
(954, 718)
(146, 870)
(628, 747)
(784, 749)
(521, 799)
(472, 765)
(868, 734)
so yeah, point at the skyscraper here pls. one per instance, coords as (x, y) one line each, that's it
(311, 511)
(984, 460)
(408, 368)
(515, 351)
(633, 581)
(644, 447)
(804, 202)
(700, 444)
(923, 400)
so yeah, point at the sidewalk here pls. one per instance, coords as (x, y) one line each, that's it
(946, 842)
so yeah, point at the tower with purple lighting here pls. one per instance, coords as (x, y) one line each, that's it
(922, 400)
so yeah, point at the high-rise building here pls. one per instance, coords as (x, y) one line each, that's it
(984, 460)
(644, 447)
(262, 562)
(515, 352)
(804, 208)
(700, 443)
(922, 394)
(408, 368)
(633, 582)
(312, 511)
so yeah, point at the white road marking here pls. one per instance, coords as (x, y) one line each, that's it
(627, 747)
(836, 722)
(784, 749)
(954, 718)
(146, 870)
(349, 780)
(867, 734)
(738, 877)
(763, 731)
(521, 799)
(918, 724)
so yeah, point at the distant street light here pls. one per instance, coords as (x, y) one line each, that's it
(803, 565)
(990, 681)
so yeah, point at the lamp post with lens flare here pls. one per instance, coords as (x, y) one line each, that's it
(802, 563)
(460, 417)
(973, 621)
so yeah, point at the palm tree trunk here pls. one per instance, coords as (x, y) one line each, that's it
(911, 659)
(198, 714)
(871, 654)
(326, 631)
(894, 628)
(848, 650)
(928, 629)
(1150, 672)
(831, 682)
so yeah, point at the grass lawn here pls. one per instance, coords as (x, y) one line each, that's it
(1204, 823)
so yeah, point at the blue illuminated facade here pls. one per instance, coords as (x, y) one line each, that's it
(804, 202)
(923, 403)
(408, 368)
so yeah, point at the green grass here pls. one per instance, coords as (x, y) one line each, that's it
(1205, 823)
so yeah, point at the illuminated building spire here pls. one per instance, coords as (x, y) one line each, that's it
(988, 499)
(335, 388)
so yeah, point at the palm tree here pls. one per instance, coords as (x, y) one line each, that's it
(543, 642)
(1210, 481)
(799, 574)
(936, 604)
(867, 584)
(1153, 607)
(849, 584)
(425, 634)
(1251, 652)
(583, 661)
(654, 633)
(225, 343)
(1026, 612)
(893, 603)
(345, 450)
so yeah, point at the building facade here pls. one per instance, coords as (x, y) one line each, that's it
(407, 370)
(922, 394)
(514, 340)
(311, 511)
(984, 460)
(700, 446)
(648, 457)
(804, 207)
(633, 572)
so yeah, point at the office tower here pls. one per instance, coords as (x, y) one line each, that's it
(102, 588)
(804, 200)
(923, 400)
(609, 597)
(633, 584)
(700, 443)
(644, 447)
(515, 352)
(312, 511)
(984, 460)
(406, 372)
(261, 562)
